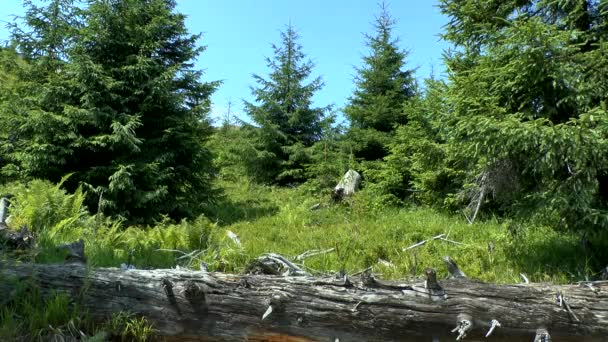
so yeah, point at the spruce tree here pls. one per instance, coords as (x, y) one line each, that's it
(10, 65)
(132, 109)
(528, 91)
(32, 113)
(382, 87)
(284, 112)
(424, 164)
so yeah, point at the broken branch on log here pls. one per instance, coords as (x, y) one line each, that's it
(184, 304)
(275, 264)
(15, 240)
(463, 325)
(493, 326)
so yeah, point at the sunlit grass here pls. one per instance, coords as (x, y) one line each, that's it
(362, 235)
(279, 220)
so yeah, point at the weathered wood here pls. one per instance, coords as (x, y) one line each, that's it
(454, 270)
(13, 240)
(275, 264)
(4, 204)
(224, 307)
(347, 186)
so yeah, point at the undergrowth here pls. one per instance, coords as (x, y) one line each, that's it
(279, 220)
(27, 315)
(269, 219)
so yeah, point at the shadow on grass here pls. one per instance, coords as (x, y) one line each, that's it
(227, 211)
(552, 258)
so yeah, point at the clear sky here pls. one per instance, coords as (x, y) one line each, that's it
(238, 34)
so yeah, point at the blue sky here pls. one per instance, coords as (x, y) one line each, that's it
(238, 35)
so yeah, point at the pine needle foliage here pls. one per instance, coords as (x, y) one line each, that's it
(424, 165)
(109, 94)
(283, 110)
(526, 88)
(383, 85)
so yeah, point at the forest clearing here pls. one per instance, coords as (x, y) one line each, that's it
(468, 204)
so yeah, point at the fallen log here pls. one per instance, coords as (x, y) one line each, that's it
(186, 305)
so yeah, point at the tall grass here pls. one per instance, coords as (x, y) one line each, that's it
(363, 236)
(270, 219)
(30, 316)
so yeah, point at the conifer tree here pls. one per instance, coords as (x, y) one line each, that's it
(284, 112)
(424, 164)
(155, 111)
(32, 114)
(528, 94)
(10, 64)
(382, 88)
(130, 110)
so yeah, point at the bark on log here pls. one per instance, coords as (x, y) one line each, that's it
(187, 305)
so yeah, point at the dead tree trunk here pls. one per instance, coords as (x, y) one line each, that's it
(224, 307)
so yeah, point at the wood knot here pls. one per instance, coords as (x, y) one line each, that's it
(276, 303)
(193, 293)
(168, 288)
(278, 300)
(167, 285)
(244, 283)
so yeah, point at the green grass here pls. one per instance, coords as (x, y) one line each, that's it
(30, 316)
(362, 234)
(278, 220)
